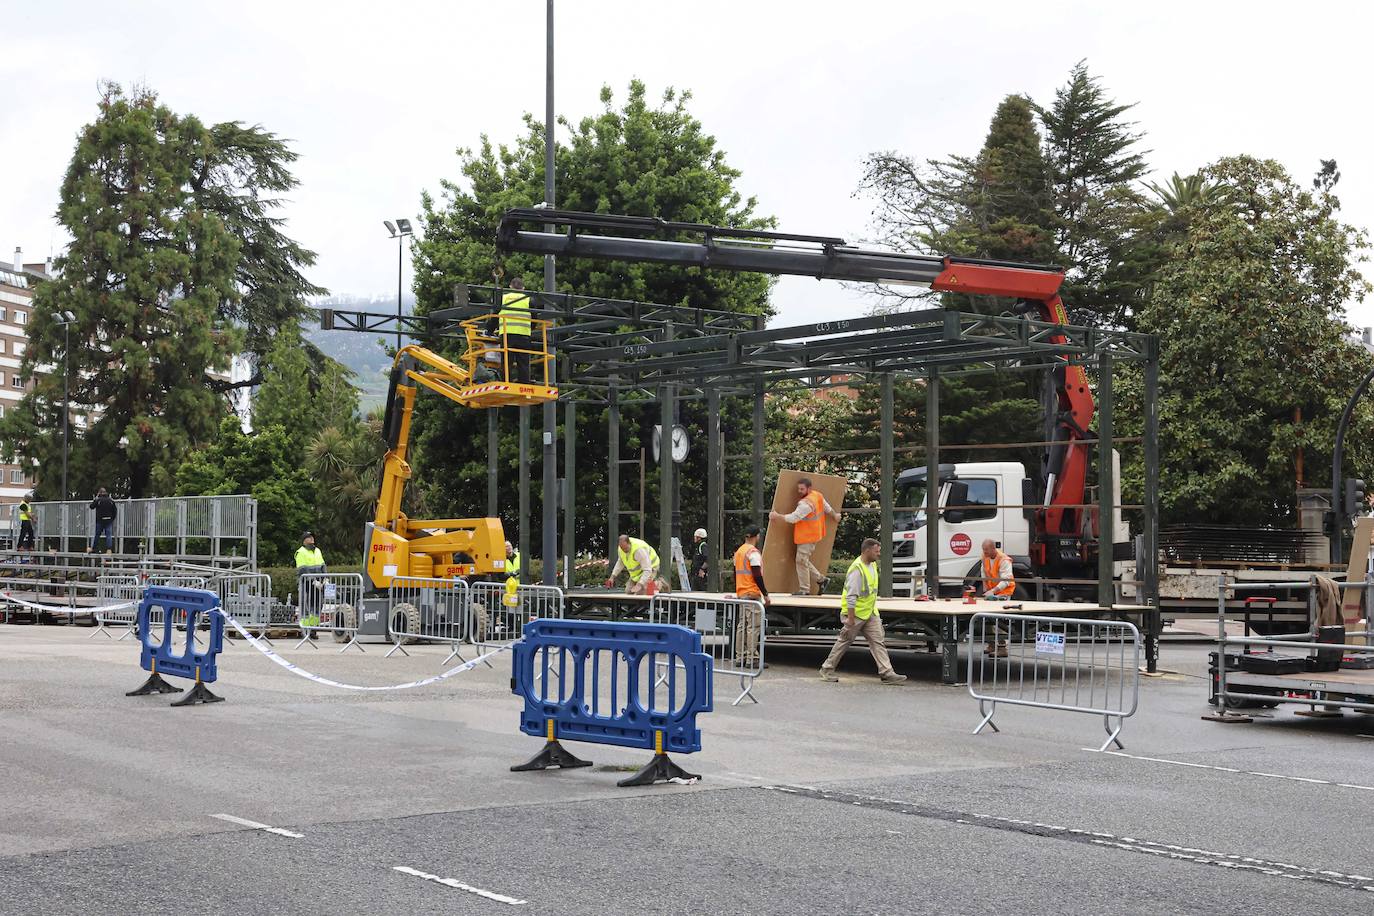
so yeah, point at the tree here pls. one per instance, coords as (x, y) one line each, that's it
(1094, 163)
(638, 159)
(266, 466)
(301, 400)
(344, 461)
(176, 264)
(1255, 357)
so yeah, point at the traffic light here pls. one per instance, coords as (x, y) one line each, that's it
(1354, 496)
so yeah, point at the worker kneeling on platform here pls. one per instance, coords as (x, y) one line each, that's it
(999, 584)
(640, 561)
(859, 610)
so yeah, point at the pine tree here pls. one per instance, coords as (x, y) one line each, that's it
(176, 264)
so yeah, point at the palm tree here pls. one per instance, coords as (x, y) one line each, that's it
(1191, 191)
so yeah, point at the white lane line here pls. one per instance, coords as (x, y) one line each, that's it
(256, 826)
(1232, 770)
(458, 885)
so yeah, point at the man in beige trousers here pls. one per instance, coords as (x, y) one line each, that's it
(859, 607)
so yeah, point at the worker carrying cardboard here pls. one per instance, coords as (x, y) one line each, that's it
(808, 530)
(640, 560)
(859, 616)
(749, 584)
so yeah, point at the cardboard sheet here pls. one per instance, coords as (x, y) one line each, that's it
(779, 553)
(1352, 602)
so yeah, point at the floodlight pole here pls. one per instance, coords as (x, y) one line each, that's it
(550, 539)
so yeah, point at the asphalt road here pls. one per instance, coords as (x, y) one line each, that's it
(846, 797)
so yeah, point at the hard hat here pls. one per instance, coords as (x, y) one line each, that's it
(699, 533)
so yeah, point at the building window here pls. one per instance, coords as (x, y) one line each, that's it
(21, 317)
(16, 476)
(17, 381)
(18, 348)
(2, 345)
(2, 313)
(2, 410)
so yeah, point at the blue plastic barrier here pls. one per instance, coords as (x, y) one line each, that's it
(595, 681)
(180, 608)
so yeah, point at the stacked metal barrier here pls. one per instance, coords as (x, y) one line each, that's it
(732, 633)
(429, 610)
(1070, 664)
(247, 597)
(330, 603)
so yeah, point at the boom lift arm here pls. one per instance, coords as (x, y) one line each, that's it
(1035, 287)
(399, 546)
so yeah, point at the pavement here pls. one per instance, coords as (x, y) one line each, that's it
(294, 797)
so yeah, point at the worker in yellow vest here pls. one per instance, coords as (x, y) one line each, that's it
(749, 584)
(808, 530)
(999, 584)
(640, 560)
(514, 320)
(512, 561)
(859, 613)
(25, 524)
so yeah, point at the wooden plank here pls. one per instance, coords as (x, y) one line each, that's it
(779, 551)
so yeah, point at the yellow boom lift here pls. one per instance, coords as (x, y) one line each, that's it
(399, 546)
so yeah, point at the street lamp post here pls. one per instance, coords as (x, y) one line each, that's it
(65, 320)
(399, 230)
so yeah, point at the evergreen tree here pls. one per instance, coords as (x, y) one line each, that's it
(176, 264)
(638, 159)
(298, 398)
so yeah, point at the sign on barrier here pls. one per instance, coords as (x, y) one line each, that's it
(330, 603)
(1076, 665)
(158, 613)
(608, 691)
(117, 599)
(732, 633)
(428, 610)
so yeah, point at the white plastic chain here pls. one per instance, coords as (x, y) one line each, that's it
(301, 672)
(64, 608)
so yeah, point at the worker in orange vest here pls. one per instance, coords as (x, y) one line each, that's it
(749, 584)
(808, 529)
(999, 583)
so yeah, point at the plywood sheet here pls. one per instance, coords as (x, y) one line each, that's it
(1352, 602)
(779, 553)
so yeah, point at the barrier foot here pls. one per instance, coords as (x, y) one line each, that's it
(1112, 734)
(660, 769)
(553, 755)
(199, 694)
(987, 718)
(395, 647)
(746, 685)
(1230, 718)
(154, 684)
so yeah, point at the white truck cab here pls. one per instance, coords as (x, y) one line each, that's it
(969, 497)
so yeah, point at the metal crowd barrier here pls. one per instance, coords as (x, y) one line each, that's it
(247, 597)
(732, 633)
(121, 595)
(1076, 665)
(499, 613)
(330, 603)
(428, 610)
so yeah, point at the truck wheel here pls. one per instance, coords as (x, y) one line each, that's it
(405, 618)
(345, 615)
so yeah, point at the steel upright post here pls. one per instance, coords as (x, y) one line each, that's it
(550, 539)
(493, 448)
(523, 486)
(613, 467)
(760, 510)
(1150, 529)
(933, 483)
(667, 481)
(715, 491)
(569, 487)
(886, 474)
(1106, 483)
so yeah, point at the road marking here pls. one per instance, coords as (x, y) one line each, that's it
(1232, 770)
(1092, 837)
(256, 826)
(458, 885)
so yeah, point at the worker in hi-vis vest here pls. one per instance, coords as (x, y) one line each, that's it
(859, 616)
(749, 584)
(640, 560)
(25, 524)
(999, 584)
(309, 558)
(512, 561)
(808, 529)
(514, 321)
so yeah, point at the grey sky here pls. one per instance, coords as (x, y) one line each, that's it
(376, 97)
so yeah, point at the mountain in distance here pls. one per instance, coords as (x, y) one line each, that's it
(363, 353)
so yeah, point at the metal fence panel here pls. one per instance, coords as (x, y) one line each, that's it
(247, 597)
(330, 603)
(429, 610)
(117, 599)
(1072, 664)
(732, 633)
(500, 613)
(177, 517)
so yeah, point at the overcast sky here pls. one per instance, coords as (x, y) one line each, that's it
(377, 97)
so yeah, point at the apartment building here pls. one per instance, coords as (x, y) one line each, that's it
(17, 280)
